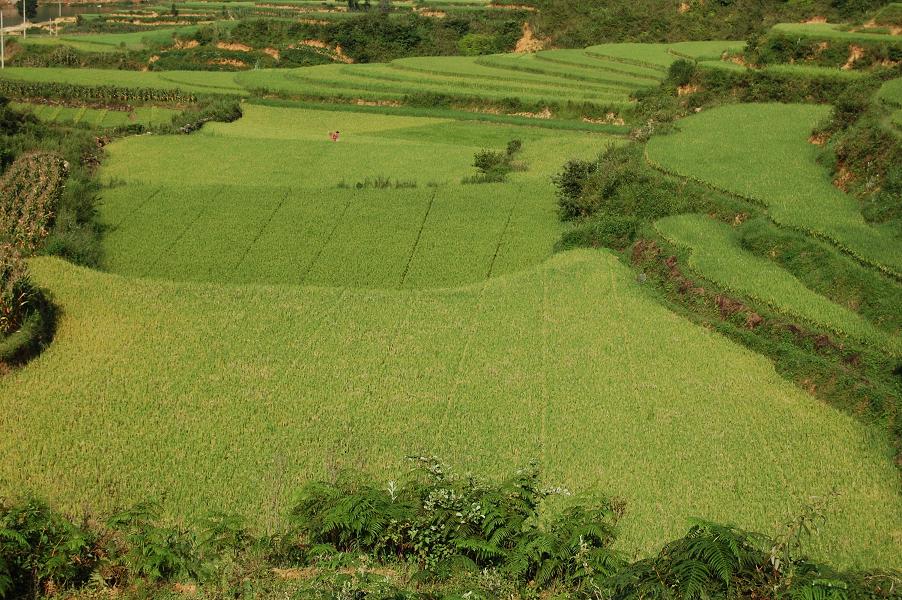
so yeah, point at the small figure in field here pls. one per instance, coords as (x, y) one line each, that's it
(334, 136)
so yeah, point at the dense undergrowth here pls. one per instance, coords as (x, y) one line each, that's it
(575, 24)
(436, 534)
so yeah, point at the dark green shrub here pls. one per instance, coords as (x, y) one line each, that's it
(570, 182)
(680, 72)
(475, 44)
(151, 549)
(493, 166)
(39, 548)
(601, 231)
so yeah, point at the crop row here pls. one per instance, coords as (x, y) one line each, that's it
(717, 256)
(29, 192)
(74, 92)
(148, 116)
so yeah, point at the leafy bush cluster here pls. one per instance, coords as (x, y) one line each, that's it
(864, 154)
(494, 166)
(438, 534)
(779, 48)
(608, 199)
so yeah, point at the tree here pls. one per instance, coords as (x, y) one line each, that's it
(385, 6)
(27, 8)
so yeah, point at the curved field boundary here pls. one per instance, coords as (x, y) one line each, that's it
(832, 31)
(760, 152)
(407, 78)
(661, 56)
(583, 60)
(342, 81)
(157, 381)
(528, 63)
(716, 255)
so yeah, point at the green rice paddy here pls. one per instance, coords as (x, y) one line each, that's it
(717, 256)
(265, 199)
(149, 116)
(761, 152)
(277, 306)
(229, 397)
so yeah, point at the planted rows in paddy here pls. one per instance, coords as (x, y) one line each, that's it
(270, 198)
(602, 75)
(761, 151)
(716, 255)
(149, 116)
(228, 397)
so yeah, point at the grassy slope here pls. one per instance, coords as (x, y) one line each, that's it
(761, 152)
(228, 397)
(717, 256)
(260, 201)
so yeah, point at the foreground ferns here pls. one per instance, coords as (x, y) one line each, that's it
(435, 535)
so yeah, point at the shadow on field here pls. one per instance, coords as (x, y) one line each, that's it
(35, 334)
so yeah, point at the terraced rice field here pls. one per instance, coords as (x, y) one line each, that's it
(604, 76)
(266, 320)
(149, 116)
(261, 201)
(202, 82)
(110, 42)
(761, 152)
(228, 397)
(717, 256)
(831, 31)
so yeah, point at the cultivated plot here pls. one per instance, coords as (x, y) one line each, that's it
(761, 151)
(229, 397)
(271, 199)
(717, 256)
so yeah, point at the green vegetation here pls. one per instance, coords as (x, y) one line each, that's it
(110, 42)
(829, 31)
(149, 116)
(761, 152)
(676, 287)
(575, 23)
(436, 534)
(717, 256)
(573, 349)
(311, 229)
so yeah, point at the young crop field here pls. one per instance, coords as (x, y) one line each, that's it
(761, 152)
(891, 92)
(831, 31)
(270, 198)
(111, 42)
(149, 116)
(228, 397)
(272, 304)
(189, 81)
(717, 256)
